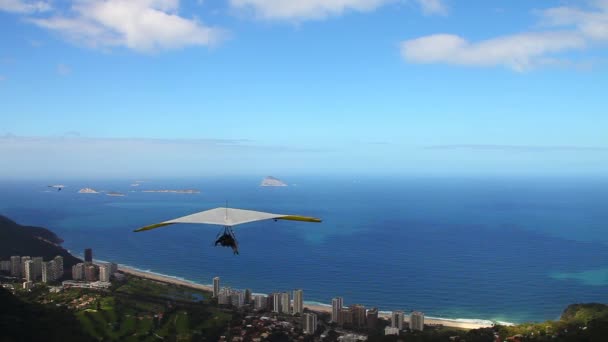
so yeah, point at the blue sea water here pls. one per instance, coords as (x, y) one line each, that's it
(508, 249)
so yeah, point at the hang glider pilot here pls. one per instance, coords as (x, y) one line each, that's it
(228, 240)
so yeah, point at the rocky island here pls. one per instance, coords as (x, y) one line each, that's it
(87, 191)
(272, 181)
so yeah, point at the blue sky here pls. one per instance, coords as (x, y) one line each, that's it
(149, 88)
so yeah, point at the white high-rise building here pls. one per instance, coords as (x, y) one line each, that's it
(104, 273)
(336, 307)
(417, 321)
(113, 268)
(216, 286)
(237, 298)
(276, 302)
(223, 296)
(58, 267)
(309, 323)
(48, 271)
(24, 259)
(5, 265)
(29, 271)
(78, 271)
(285, 302)
(397, 320)
(16, 266)
(260, 302)
(298, 302)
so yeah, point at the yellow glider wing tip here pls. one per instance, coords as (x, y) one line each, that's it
(152, 226)
(300, 218)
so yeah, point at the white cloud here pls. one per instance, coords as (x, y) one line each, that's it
(433, 7)
(21, 6)
(567, 28)
(142, 25)
(63, 70)
(593, 24)
(519, 52)
(305, 9)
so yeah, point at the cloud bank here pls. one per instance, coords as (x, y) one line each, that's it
(569, 28)
(519, 148)
(433, 7)
(304, 9)
(21, 6)
(75, 156)
(140, 25)
(298, 10)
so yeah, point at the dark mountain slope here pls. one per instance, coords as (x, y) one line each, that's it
(21, 240)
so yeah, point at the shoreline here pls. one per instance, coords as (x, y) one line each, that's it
(313, 306)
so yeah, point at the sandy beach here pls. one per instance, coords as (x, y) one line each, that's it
(318, 308)
(164, 279)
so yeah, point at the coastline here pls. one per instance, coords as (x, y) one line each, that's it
(313, 306)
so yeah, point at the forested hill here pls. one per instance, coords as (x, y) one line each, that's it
(16, 239)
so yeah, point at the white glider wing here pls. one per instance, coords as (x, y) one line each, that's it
(228, 217)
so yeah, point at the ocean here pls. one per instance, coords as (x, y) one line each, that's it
(496, 248)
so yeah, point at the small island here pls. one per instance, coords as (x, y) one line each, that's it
(272, 181)
(87, 191)
(114, 193)
(184, 191)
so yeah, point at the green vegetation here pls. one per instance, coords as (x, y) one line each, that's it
(21, 320)
(578, 323)
(138, 310)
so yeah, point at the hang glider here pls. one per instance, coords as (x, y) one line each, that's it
(228, 217)
(57, 186)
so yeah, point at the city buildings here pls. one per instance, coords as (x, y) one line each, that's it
(90, 272)
(5, 266)
(16, 266)
(28, 271)
(104, 273)
(237, 298)
(37, 267)
(391, 331)
(345, 317)
(309, 323)
(298, 302)
(397, 319)
(372, 318)
(24, 259)
(336, 308)
(276, 302)
(285, 303)
(48, 271)
(247, 296)
(78, 271)
(58, 270)
(88, 255)
(416, 321)
(85, 285)
(223, 296)
(357, 312)
(113, 268)
(216, 287)
(260, 302)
